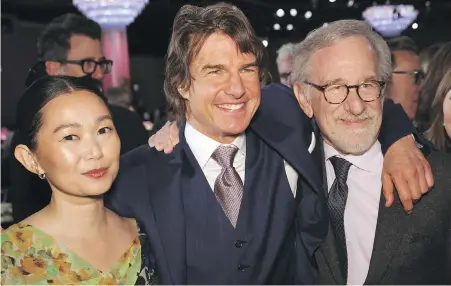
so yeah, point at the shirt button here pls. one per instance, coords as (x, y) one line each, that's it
(239, 243)
(242, 267)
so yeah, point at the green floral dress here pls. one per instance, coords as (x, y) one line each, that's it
(29, 256)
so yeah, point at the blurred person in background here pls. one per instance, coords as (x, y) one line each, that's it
(438, 67)
(130, 125)
(68, 45)
(285, 62)
(404, 86)
(119, 96)
(439, 133)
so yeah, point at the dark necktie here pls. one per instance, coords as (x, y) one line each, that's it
(228, 185)
(336, 203)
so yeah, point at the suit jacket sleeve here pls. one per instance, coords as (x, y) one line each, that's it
(129, 127)
(116, 200)
(279, 103)
(122, 196)
(395, 125)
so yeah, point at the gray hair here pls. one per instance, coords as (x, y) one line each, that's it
(285, 51)
(334, 32)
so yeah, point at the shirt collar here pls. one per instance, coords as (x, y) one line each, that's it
(370, 161)
(203, 146)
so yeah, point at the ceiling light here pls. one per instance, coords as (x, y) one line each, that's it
(308, 15)
(390, 20)
(293, 12)
(290, 27)
(111, 13)
(280, 13)
(276, 26)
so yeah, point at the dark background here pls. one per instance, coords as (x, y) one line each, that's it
(149, 35)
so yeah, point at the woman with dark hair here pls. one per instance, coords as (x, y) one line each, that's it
(437, 68)
(427, 54)
(69, 139)
(440, 131)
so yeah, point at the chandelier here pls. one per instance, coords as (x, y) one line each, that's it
(390, 20)
(111, 13)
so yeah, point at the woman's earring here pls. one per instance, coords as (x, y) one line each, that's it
(41, 176)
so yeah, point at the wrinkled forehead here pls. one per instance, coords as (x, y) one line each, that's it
(351, 59)
(406, 59)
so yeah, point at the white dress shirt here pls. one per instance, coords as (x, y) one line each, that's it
(203, 147)
(362, 207)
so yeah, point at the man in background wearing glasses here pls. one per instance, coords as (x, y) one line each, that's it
(69, 45)
(407, 76)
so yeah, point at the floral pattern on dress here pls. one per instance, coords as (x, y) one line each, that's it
(29, 256)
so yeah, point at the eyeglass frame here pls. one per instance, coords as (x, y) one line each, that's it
(83, 61)
(323, 88)
(418, 75)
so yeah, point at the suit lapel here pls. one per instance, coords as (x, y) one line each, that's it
(391, 225)
(291, 145)
(318, 158)
(329, 247)
(167, 203)
(329, 251)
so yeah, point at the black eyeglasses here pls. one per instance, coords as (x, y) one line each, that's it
(89, 66)
(418, 75)
(337, 93)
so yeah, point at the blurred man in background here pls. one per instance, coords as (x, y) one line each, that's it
(404, 86)
(119, 97)
(285, 62)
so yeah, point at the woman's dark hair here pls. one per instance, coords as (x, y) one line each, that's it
(427, 54)
(41, 92)
(436, 132)
(438, 67)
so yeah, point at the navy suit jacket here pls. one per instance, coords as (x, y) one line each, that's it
(149, 187)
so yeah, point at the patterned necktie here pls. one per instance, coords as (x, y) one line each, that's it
(336, 203)
(228, 185)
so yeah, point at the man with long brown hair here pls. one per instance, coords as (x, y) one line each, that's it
(222, 208)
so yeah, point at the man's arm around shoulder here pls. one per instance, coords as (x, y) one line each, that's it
(131, 178)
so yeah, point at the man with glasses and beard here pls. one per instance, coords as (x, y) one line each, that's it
(404, 87)
(339, 74)
(68, 45)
